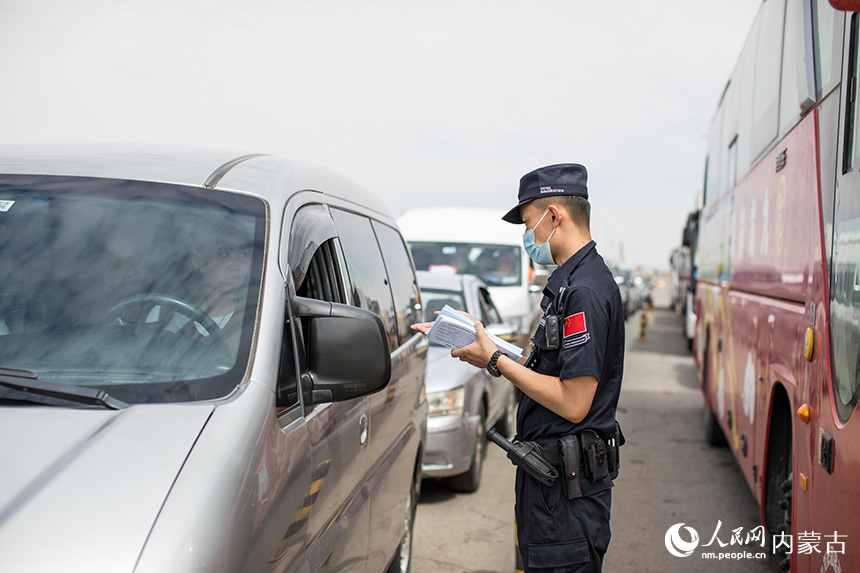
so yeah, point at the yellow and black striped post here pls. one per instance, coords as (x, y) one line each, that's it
(519, 558)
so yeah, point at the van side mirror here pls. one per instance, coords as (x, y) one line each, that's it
(347, 350)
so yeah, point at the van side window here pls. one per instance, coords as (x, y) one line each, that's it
(311, 227)
(366, 269)
(324, 279)
(404, 285)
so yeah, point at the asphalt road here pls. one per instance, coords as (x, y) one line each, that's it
(668, 476)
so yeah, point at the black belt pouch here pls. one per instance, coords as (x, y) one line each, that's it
(594, 451)
(569, 448)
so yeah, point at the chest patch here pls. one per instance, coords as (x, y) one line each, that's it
(575, 331)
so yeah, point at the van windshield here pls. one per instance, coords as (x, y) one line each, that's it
(497, 265)
(144, 290)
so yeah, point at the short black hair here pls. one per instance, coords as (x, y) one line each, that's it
(577, 207)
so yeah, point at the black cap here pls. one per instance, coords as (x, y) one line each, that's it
(562, 179)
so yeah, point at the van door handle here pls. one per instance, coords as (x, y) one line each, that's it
(362, 429)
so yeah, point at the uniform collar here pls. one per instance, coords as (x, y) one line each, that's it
(559, 276)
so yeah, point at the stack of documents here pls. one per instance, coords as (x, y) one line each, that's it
(454, 330)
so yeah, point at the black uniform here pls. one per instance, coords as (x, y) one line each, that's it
(556, 533)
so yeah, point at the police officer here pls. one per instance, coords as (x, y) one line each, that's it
(571, 382)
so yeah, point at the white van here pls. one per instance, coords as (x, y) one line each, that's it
(460, 240)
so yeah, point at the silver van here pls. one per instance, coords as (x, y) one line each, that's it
(205, 365)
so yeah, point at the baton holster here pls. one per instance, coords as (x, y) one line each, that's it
(570, 462)
(526, 455)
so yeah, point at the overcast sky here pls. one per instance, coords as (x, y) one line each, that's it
(428, 103)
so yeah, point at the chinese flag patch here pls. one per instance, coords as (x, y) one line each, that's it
(574, 324)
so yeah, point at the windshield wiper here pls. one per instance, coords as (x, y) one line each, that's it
(27, 381)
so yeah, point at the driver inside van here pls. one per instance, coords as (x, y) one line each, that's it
(218, 268)
(222, 267)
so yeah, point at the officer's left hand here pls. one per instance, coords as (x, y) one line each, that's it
(479, 352)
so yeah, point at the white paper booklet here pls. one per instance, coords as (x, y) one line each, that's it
(453, 330)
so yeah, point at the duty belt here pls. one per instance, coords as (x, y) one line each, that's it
(594, 453)
(585, 454)
(569, 457)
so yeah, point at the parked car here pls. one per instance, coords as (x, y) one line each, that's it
(632, 290)
(464, 401)
(643, 285)
(477, 242)
(207, 365)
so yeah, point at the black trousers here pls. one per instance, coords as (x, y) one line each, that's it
(560, 535)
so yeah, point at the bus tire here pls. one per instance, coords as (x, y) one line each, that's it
(713, 433)
(778, 472)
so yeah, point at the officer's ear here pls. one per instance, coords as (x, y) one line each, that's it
(554, 213)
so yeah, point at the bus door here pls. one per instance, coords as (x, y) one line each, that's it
(836, 435)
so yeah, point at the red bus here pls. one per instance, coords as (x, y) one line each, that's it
(777, 342)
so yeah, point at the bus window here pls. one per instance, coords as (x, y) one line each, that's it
(746, 77)
(715, 156)
(733, 162)
(736, 124)
(797, 95)
(767, 69)
(828, 46)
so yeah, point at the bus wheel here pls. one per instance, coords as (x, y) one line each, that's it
(778, 473)
(785, 527)
(713, 433)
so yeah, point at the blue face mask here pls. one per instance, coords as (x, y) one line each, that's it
(540, 254)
